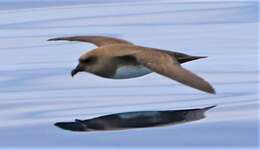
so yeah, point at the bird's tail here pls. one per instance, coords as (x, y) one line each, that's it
(188, 58)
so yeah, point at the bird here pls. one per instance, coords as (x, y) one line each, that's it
(116, 58)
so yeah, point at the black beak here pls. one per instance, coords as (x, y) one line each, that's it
(76, 70)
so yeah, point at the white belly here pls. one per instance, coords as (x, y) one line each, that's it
(131, 72)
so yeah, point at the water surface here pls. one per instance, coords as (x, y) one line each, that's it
(36, 89)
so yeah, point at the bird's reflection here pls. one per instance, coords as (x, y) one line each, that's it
(138, 119)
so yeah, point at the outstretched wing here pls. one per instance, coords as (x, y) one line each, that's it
(96, 40)
(165, 65)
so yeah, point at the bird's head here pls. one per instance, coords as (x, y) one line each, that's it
(87, 63)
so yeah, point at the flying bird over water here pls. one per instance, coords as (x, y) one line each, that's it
(119, 59)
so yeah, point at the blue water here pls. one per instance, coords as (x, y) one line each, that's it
(36, 89)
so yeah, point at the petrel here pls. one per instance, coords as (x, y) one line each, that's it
(119, 59)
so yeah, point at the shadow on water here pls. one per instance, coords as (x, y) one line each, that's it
(132, 120)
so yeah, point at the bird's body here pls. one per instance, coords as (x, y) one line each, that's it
(130, 71)
(120, 59)
(114, 64)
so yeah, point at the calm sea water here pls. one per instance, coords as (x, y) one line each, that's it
(36, 89)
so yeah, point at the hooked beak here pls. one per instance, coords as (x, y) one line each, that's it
(76, 70)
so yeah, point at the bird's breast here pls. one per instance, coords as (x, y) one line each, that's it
(130, 71)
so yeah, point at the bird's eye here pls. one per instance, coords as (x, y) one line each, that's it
(88, 60)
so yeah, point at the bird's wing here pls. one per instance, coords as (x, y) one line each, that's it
(96, 40)
(165, 65)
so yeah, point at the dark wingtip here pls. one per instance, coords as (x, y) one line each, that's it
(79, 121)
(55, 39)
(71, 126)
(210, 107)
(57, 124)
(60, 125)
(208, 88)
(68, 38)
(211, 90)
(197, 57)
(200, 57)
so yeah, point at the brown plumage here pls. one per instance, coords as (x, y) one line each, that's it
(120, 59)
